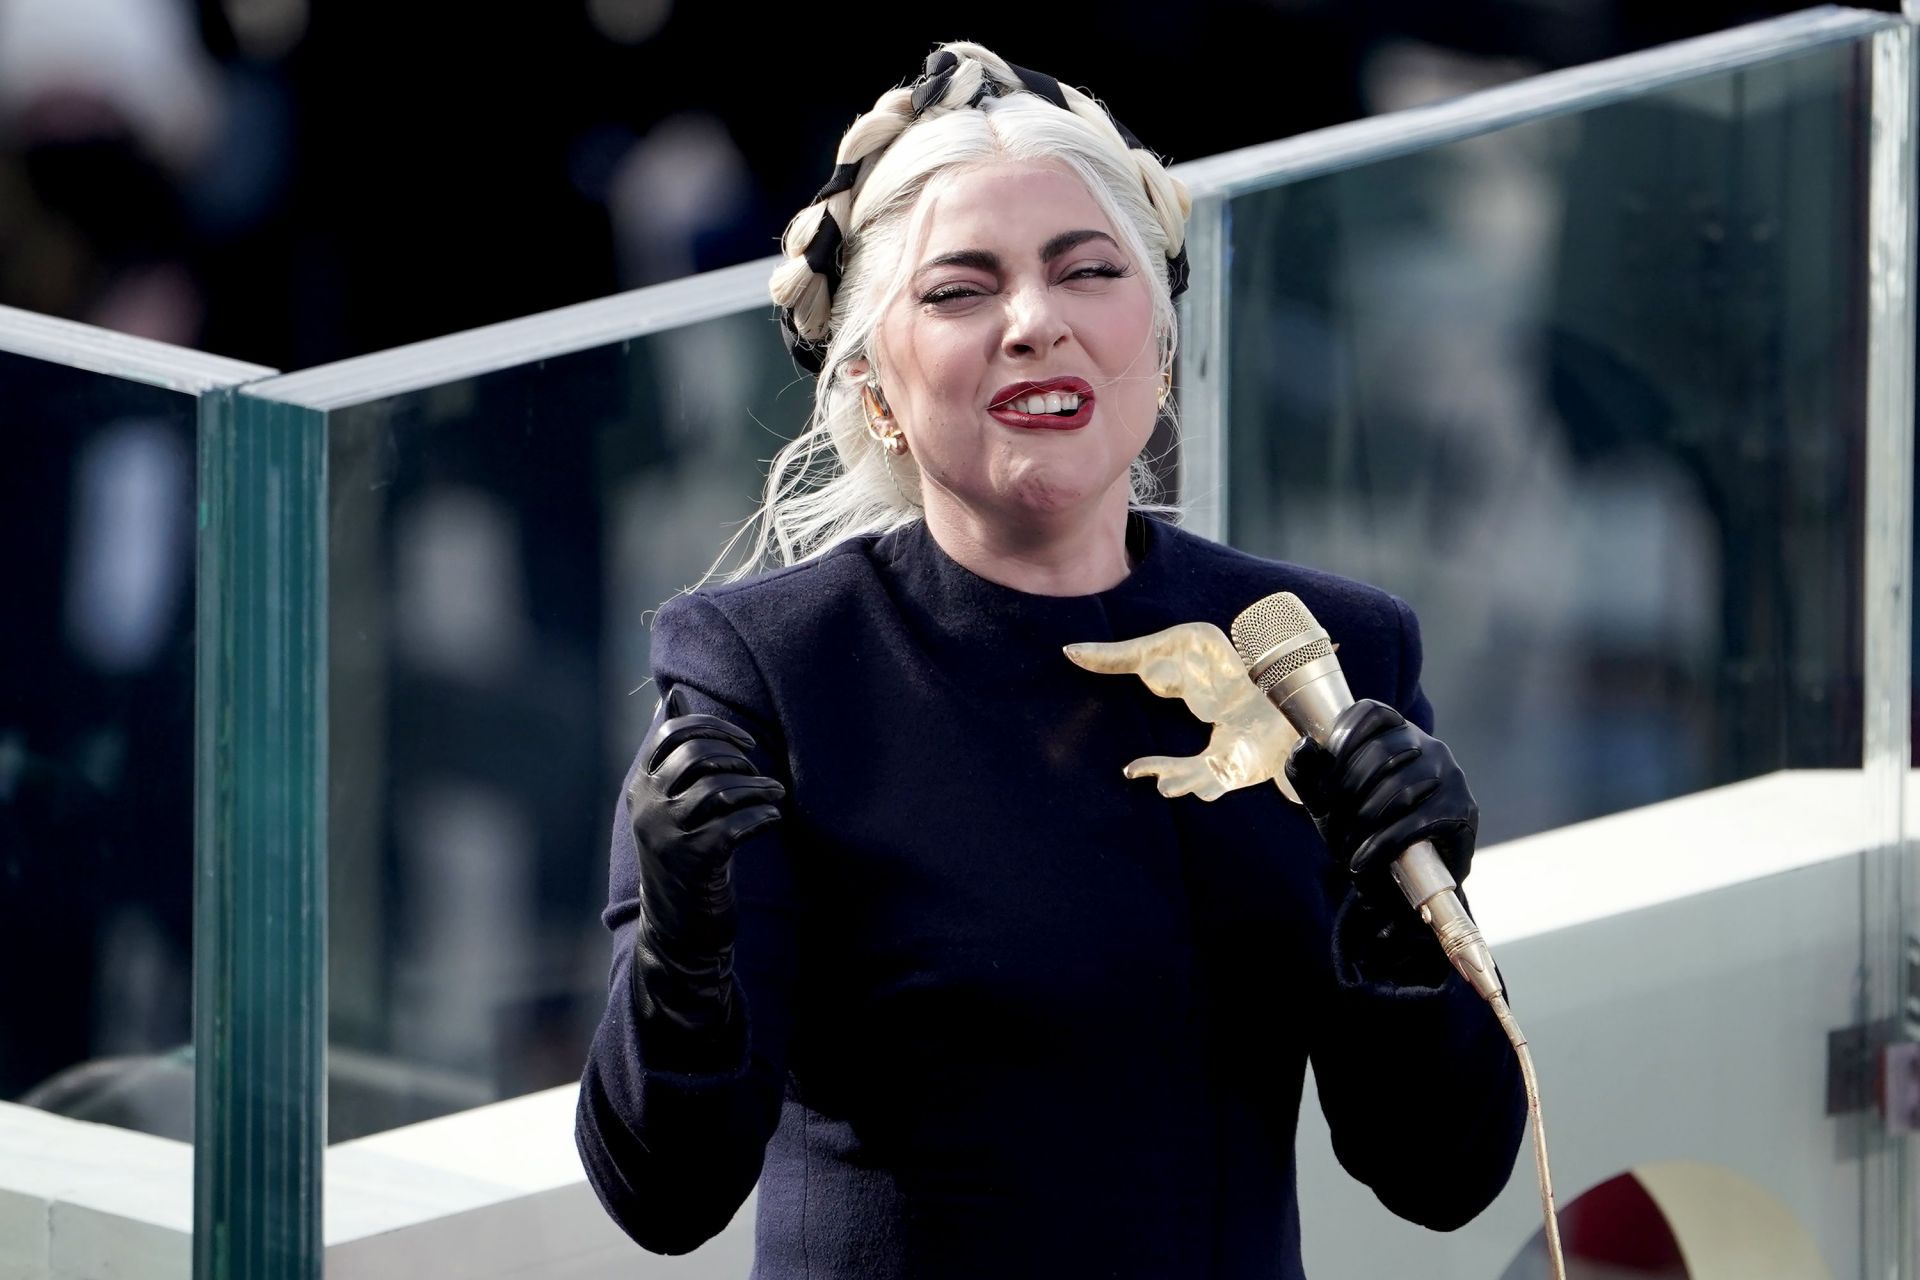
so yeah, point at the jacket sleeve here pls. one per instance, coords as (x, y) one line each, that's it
(673, 1155)
(1418, 1083)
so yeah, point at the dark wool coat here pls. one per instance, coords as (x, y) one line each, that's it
(1006, 1012)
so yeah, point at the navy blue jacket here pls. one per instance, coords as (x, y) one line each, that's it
(1008, 1013)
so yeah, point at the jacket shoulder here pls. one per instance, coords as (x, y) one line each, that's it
(732, 643)
(1238, 578)
(754, 625)
(1376, 632)
(803, 593)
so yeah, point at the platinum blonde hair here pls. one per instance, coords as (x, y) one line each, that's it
(833, 480)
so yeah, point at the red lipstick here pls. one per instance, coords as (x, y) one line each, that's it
(1001, 410)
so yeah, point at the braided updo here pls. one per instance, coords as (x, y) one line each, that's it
(845, 263)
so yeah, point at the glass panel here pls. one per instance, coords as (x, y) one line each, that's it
(495, 547)
(97, 669)
(1588, 393)
(96, 733)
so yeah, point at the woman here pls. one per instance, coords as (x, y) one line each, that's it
(893, 934)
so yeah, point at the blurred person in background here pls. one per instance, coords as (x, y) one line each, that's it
(112, 105)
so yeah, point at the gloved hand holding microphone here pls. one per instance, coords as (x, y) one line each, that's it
(1376, 782)
(1378, 785)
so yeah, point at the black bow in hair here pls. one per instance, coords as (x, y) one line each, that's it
(823, 251)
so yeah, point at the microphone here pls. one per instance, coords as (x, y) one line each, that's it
(1289, 656)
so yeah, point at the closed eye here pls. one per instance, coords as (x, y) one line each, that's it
(947, 293)
(950, 292)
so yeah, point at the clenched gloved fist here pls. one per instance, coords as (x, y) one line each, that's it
(1379, 785)
(695, 798)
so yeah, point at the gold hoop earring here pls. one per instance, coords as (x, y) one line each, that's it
(880, 423)
(1166, 387)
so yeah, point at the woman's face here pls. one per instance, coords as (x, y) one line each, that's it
(1018, 278)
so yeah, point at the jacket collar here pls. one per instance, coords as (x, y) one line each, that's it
(958, 611)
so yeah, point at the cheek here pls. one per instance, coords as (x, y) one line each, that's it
(944, 381)
(1129, 356)
(1129, 335)
(1123, 342)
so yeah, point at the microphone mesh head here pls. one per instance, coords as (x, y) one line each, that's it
(1266, 624)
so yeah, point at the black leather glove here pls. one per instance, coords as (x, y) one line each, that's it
(694, 799)
(1379, 785)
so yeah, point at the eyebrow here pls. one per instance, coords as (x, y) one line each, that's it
(986, 260)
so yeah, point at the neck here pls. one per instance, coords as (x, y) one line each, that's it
(1071, 554)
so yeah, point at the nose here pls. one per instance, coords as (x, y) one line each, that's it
(1035, 322)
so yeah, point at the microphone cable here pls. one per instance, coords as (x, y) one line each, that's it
(1461, 940)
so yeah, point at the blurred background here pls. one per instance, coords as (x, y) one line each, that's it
(293, 184)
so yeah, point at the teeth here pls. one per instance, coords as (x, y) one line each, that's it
(1051, 402)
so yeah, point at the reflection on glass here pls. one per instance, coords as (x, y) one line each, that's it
(497, 547)
(96, 747)
(1588, 393)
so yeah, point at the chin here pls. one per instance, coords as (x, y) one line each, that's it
(1054, 495)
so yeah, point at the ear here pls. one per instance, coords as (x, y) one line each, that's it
(855, 370)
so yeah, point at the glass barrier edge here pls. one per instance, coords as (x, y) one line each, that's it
(1272, 164)
(1886, 727)
(85, 346)
(1203, 372)
(598, 322)
(260, 840)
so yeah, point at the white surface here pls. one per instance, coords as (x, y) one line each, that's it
(1710, 840)
(86, 1200)
(496, 1192)
(1678, 1011)
(492, 1193)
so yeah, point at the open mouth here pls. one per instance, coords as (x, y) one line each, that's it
(1059, 404)
(1063, 418)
